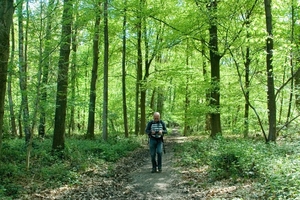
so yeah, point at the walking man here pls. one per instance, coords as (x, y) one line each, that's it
(156, 129)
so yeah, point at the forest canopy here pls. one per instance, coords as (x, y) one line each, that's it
(103, 67)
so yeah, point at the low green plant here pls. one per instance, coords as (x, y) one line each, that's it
(53, 169)
(274, 167)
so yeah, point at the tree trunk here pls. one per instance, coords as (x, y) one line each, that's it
(105, 73)
(73, 71)
(139, 70)
(215, 72)
(247, 94)
(186, 128)
(292, 60)
(270, 79)
(6, 13)
(126, 132)
(247, 81)
(92, 105)
(45, 70)
(23, 76)
(62, 80)
(9, 87)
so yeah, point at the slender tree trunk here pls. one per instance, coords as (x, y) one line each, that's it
(92, 106)
(215, 72)
(247, 84)
(38, 94)
(45, 69)
(9, 88)
(105, 73)
(23, 76)
(139, 70)
(73, 71)
(186, 128)
(126, 132)
(292, 61)
(247, 94)
(62, 80)
(270, 79)
(6, 14)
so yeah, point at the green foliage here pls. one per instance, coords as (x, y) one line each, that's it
(54, 169)
(275, 167)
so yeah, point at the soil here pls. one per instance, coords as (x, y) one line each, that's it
(131, 178)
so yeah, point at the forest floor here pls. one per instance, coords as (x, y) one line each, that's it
(130, 178)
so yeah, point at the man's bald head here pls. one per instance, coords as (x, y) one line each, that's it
(156, 116)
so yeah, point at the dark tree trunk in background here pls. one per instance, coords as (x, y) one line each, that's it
(92, 105)
(45, 70)
(247, 94)
(139, 69)
(73, 79)
(6, 13)
(270, 79)
(126, 132)
(23, 75)
(9, 85)
(62, 79)
(105, 73)
(215, 71)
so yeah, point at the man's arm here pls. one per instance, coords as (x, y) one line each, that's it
(148, 128)
(165, 131)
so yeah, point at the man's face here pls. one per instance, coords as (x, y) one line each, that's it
(156, 118)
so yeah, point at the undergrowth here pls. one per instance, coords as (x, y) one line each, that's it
(52, 170)
(273, 167)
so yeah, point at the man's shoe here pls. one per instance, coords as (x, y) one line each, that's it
(153, 170)
(159, 170)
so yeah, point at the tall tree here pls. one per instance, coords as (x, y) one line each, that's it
(139, 68)
(45, 62)
(23, 73)
(6, 13)
(62, 78)
(9, 85)
(215, 70)
(270, 73)
(124, 71)
(105, 74)
(92, 105)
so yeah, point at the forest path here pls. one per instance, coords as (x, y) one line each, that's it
(146, 185)
(130, 178)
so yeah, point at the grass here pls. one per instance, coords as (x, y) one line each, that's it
(50, 170)
(273, 167)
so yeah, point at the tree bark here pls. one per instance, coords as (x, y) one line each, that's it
(270, 79)
(92, 105)
(45, 70)
(105, 73)
(139, 70)
(9, 86)
(6, 13)
(23, 76)
(62, 79)
(126, 132)
(215, 72)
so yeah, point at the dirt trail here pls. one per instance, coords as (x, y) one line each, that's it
(164, 185)
(130, 178)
